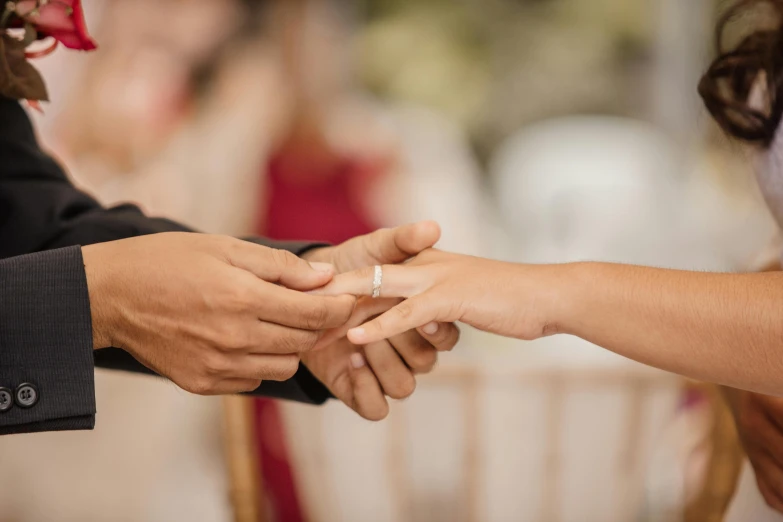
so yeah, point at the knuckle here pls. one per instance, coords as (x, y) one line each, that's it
(233, 340)
(285, 369)
(286, 309)
(345, 306)
(200, 386)
(317, 315)
(214, 364)
(423, 361)
(290, 343)
(230, 244)
(283, 258)
(290, 369)
(239, 298)
(404, 310)
(231, 247)
(308, 341)
(287, 344)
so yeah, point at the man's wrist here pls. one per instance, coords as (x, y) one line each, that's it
(96, 287)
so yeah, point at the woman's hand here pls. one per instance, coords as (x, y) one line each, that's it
(502, 298)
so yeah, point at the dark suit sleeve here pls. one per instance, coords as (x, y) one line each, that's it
(44, 308)
(45, 340)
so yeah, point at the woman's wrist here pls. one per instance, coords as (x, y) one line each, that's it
(544, 299)
(569, 290)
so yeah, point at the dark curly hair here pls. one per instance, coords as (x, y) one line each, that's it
(754, 65)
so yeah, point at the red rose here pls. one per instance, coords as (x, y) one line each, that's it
(63, 20)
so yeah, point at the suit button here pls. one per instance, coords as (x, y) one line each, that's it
(6, 400)
(26, 395)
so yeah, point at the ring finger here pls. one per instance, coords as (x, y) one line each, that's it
(396, 281)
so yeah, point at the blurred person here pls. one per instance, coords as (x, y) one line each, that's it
(345, 158)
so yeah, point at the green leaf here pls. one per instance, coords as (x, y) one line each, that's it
(18, 78)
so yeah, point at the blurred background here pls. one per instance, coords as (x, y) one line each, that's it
(532, 130)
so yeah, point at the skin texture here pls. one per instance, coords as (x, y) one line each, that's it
(722, 328)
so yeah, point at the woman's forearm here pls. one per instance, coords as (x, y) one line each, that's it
(725, 328)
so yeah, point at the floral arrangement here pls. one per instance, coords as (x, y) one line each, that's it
(31, 29)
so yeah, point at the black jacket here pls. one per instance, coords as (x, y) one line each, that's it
(46, 355)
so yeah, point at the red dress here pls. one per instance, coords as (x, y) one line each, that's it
(311, 194)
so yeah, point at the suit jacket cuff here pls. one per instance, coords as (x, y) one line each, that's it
(299, 248)
(304, 387)
(46, 340)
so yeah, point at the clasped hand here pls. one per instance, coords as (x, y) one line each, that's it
(217, 315)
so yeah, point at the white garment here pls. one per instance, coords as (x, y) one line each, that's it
(769, 174)
(748, 503)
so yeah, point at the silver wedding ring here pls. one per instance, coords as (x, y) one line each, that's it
(377, 281)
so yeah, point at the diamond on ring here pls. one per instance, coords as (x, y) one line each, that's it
(377, 281)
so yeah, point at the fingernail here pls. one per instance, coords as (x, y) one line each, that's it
(357, 333)
(357, 360)
(430, 328)
(325, 268)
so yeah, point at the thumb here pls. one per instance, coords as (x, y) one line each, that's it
(395, 245)
(280, 266)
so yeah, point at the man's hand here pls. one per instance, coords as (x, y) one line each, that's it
(362, 376)
(213, 314)
(385, 246)
(759, 420)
